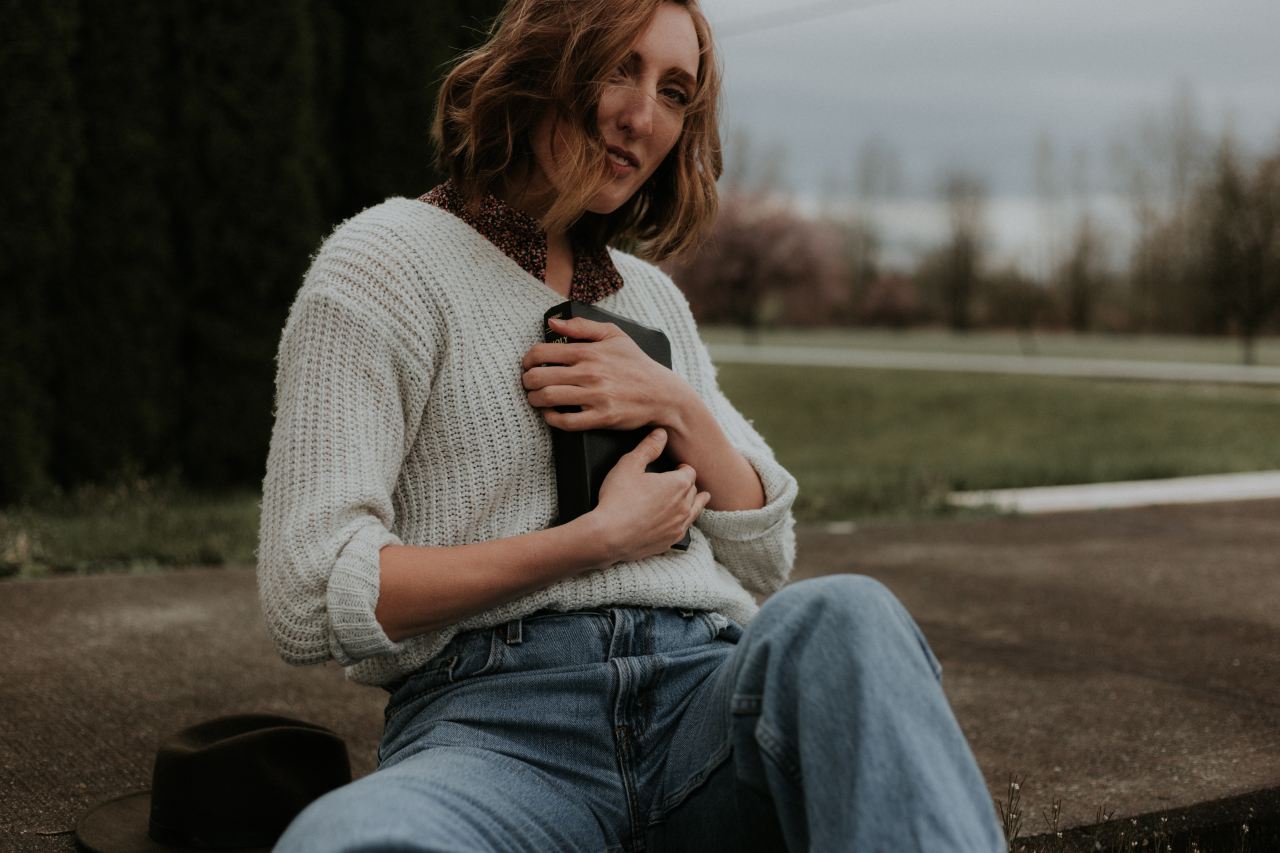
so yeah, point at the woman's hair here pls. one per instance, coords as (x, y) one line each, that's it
(557, 54)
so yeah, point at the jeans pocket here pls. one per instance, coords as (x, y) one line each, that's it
(470, 654)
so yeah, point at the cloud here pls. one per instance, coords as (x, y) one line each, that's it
(977, 81)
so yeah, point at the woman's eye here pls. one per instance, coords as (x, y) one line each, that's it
(678, 96)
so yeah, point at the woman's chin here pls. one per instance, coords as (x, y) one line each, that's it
(610, 199)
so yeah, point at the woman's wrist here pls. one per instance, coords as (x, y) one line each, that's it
(599, 537)
(682, 407)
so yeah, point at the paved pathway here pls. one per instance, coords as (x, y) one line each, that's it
(1122, 658)
(1091, 496)
(1098, 368)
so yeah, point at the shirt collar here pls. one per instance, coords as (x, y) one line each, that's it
(522, 239)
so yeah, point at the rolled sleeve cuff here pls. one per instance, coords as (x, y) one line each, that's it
(744, 525)
(354, 631)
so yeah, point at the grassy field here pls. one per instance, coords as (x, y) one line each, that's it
(872, 443)
(141, 526)
(1053, 344)
(862, 444)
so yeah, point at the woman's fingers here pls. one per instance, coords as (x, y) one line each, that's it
(547, 374)
(699, 503)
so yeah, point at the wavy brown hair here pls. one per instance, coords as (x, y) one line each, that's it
(557, 54)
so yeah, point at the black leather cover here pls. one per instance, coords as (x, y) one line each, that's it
(584, 457)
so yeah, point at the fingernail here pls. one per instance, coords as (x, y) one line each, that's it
(660, 433)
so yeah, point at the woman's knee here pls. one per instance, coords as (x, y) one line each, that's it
(362, 815)
(324, 824)
(856, 613)
(851, 600)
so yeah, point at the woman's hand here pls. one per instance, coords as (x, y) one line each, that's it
(642, 513)
(615, 382)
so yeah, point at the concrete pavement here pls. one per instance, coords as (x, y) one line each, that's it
(1123, 659)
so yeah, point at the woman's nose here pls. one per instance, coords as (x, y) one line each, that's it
(637, 116)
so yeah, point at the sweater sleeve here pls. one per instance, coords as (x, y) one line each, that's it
(757, 545)
(334, 459)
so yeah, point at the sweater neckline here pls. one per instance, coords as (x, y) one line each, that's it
(533, 284)
(521, 237)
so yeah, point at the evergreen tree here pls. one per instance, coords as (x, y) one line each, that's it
(118, 312)
(397, 53)
(247, 210)
(39, 152)
(170, 169)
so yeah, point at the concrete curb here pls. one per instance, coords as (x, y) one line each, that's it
(1089, 368)
(1212, 488)
(1247, 822)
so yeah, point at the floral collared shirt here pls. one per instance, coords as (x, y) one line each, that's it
(522, 239)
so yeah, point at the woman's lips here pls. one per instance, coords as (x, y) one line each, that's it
(623, 162)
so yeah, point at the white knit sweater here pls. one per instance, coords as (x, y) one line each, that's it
(400, 418)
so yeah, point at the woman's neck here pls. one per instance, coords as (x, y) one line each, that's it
(533, 197)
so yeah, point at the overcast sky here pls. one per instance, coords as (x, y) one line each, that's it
(976, 82)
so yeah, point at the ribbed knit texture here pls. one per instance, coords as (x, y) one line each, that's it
(400, 418)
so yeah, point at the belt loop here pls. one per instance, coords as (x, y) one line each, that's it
(513, 633)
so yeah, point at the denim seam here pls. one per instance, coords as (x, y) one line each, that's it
(659, 814)
(772, 746)
(496, 655)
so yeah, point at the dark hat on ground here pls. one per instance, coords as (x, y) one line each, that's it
(230, 783)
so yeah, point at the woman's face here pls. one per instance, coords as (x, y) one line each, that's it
(641, 112)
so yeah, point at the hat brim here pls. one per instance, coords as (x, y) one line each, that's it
(120, 826)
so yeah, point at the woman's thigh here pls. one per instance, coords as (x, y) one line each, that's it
(449, 798)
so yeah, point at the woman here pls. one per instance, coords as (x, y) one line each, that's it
(580, 686)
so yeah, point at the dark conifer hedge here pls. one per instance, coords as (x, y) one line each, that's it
(384, 124)
(40, 152)
(119, 313)
(169, 169)
(246, 210)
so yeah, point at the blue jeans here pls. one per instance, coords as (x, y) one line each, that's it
(822, 726)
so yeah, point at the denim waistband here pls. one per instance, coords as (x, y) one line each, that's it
(589, 635)
(512, 631)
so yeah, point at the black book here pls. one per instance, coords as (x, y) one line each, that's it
(583, 458)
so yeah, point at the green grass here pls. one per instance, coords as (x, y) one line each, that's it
(862, 444)
(1052, 344)
(890, 443)
(140, 526)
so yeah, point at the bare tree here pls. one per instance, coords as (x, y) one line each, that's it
(965, 196)
(1011, 299)
(752, 172)
(1159, 161)
(1048, 190)
(1080, 276)
(1239, 242)
(877, 178)
(764, 264)
(877, 171)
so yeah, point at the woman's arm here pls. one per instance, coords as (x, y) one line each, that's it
(621, 387)
(425, 588)
(334, 581)
(698, 439)
(639, 514)
(748, 522)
